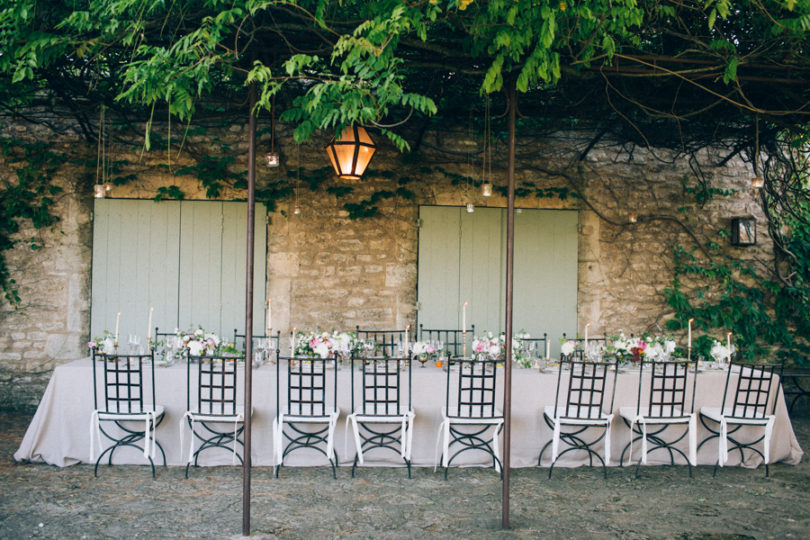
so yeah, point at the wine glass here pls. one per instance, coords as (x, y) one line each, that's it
(134, 344)
(594, 351)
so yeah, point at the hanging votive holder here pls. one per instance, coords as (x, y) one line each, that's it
(297, 210)
(272, 159)
(470, 208)
(486, 189)
(633, 218)
(99, 192)
(757, 182)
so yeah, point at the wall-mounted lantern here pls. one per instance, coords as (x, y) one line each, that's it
(743, 231)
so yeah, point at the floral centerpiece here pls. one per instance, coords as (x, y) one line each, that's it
(424, 349)
(494, 348)
(104, 344)
(659, 348)
(632, 349)
(488, 347)
(202, 343)
(325, 344)
(621, 348)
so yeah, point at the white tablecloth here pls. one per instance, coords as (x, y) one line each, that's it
(59, 431)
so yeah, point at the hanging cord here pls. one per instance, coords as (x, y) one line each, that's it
(100, 137)
(756, 143)
(486, 172)
(296, 208)
(273, 124)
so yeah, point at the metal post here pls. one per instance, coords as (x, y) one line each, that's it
(251, 202)
(510, 274)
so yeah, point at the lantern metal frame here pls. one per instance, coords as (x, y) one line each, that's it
(351, 136)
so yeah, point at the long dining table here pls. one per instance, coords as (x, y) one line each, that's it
(59, 431)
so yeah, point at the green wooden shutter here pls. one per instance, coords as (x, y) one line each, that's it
(186, 259)
(462, 257)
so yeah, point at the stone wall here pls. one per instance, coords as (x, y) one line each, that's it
(328, 271)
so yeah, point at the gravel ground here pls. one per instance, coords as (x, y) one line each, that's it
(40, 501)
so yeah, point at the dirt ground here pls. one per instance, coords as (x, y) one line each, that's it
(41, 501)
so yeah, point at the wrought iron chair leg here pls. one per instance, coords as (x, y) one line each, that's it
(542, 451)
(333, 464)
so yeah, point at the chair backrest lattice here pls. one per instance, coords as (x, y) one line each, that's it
(163, 335)
(382, 385)
(586, 388)
(216, 383)
(668, 383)
(123, 379)
(453, 340)
(471, 388)
(310, 383)
(273, 340)
(388, 341)
(755, 385)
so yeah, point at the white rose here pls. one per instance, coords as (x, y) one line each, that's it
(195, 348)
(568, 348)
(108, 346)
(322, 349)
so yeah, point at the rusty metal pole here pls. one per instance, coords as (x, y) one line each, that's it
(510, 274)
(251, 210)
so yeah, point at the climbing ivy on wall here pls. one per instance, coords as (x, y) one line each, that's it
(26, 196)
(726, 294)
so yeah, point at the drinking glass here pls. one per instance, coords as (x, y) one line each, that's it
(135, 344)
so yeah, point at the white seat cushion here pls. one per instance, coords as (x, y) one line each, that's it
(452, 414)
(715, 414)
(559, 415)
(157, 411)
(631, 414)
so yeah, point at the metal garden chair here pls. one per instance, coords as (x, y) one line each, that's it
(384, 417)
(749, 402)
(311, 402)
(124, 409)
(471, 421)
(665, 386)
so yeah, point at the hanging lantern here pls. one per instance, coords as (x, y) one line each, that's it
(470, 208)
(99, 192)
(486, 189)
(757, 182)
(297, 210)
(633, 218)
(272, 159)
(351, 153)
